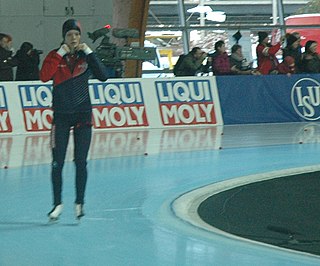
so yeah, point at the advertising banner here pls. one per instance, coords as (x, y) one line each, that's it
(5, 122)
(116, 104)
(184, 102)
(269, 99)
(36, 106)
(25, 107)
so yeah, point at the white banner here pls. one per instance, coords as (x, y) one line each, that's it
(25, 107)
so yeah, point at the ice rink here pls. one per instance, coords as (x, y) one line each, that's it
(134, 178)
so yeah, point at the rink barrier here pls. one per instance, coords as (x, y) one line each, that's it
(25, 107)
(269, 99)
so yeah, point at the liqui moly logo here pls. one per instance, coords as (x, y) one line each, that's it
(305, 98)
(36, 106)
(117, 105)
(5, 123)
(185, 102)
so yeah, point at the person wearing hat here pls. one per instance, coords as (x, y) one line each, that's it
(293, 49)
(70, 67)
(266, 54)
(28, 62)
(310, 62)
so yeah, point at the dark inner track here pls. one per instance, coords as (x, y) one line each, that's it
(284, 212)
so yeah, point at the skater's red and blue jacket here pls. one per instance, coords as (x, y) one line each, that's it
(70, 75)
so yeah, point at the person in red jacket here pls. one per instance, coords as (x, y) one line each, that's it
(266, 54)
(70, 68)
(220, 60)
(287, 66)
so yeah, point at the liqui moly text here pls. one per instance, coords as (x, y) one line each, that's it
(5, 123)
(36, 106)
(185, 102)
(117, 105)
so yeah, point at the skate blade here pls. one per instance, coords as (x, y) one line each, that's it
(78, 218)
(53, 220)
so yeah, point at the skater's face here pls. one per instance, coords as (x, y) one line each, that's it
(72, 39)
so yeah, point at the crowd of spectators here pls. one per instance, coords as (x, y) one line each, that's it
(295, 58)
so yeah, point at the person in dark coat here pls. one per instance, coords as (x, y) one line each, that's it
(28, 62)
(238, 63)
(310, 58)
(7, 62)
(293, 49)
(191, 63)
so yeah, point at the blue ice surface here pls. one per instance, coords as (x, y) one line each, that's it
(128, 219)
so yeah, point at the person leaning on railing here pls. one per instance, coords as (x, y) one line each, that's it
(190, 64)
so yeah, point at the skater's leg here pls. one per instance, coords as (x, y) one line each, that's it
(82, 140)
(59, 142)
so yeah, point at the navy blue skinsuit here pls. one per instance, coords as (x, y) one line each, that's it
(72, 111)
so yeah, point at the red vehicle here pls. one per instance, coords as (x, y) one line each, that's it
(306, 33)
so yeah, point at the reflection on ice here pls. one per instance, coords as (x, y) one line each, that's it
(21, 150)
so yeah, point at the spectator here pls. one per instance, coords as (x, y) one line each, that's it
(310, 58)
(287, 66)
(7, 62)
(28, 62)
(220, 60)
(238, 63)
(266, 54)
(297, 35)
(293, 49)
(190, 64)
